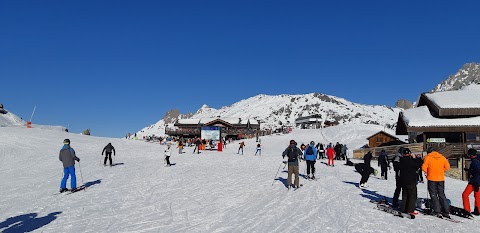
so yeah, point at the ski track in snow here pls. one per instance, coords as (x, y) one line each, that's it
(207, 192)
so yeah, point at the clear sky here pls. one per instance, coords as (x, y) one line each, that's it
(118, 66)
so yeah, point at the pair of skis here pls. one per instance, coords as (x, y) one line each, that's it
(68, 192)
(385, 207)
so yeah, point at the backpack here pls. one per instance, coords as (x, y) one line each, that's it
(309, 150)
(291, 154)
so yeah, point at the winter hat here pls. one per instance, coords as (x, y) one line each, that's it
(430, 149)
(472, 152)
(312, 143)
(406, 151)
(293, 142)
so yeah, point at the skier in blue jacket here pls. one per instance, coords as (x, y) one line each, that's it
(310, 155)
(68, 157)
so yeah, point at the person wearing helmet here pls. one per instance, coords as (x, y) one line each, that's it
(435, 165)
(108, 155)
(68, 157)
(473, 182)
(408, 179)
(310, 154)
(292, 152)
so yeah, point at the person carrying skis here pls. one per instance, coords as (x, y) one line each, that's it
(68, 157)
(383, 164)
(292, 152)
(473, 183)
(259, 149)
(408, 179)
(330, 155)
(108, 155)
(168, 153)
(435, 165)
(310, 154)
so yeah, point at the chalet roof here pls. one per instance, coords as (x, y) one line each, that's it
(452, 103)
(456, 99)
(219, 121)
(207, 120)
(383, 132)
(420, 119)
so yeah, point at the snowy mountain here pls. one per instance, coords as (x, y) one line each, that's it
(278, 110)
(468, 74)
(210, 192)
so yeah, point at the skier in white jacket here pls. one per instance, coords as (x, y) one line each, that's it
(168, 153)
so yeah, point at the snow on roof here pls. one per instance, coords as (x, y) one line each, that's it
(456, 99)
(421, 117)
(252, 121)
(188, 121)
(207, 119)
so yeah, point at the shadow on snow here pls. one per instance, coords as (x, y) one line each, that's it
(26, 222)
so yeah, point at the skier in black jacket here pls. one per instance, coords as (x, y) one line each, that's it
(398, 185)
(365, 169)
(108, 149)
(408, 178)
(383, 164)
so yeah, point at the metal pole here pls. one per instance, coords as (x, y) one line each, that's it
(81, 176)
(32, 113)
(274, 179)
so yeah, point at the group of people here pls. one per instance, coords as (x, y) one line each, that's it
(406, 166)
(434, 165)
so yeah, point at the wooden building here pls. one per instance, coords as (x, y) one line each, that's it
(448, 121)
(309, 122)
(230, 127)
(380, 138)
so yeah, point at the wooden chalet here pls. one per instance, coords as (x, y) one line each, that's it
(448, 121)
(379, 138)
(229, 127)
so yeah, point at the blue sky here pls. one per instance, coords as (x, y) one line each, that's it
(118, 66)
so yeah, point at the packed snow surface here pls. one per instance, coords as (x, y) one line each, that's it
(207, 192)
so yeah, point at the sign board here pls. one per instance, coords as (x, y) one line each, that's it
(438, 140)
(210, 132)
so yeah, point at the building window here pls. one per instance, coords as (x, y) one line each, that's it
(473, 137)
(379, 139)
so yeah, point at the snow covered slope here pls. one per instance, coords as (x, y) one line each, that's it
(210, 192)
(10, 119)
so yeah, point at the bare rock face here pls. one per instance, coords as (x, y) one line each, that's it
(171, 116)
(405, 104)
(468, 74)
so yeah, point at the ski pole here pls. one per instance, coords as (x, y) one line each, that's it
(81, 175)
(274, 179)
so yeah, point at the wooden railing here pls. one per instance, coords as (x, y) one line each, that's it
(449, 150)
(414, 147)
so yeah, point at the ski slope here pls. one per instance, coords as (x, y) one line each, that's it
(210, 192)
